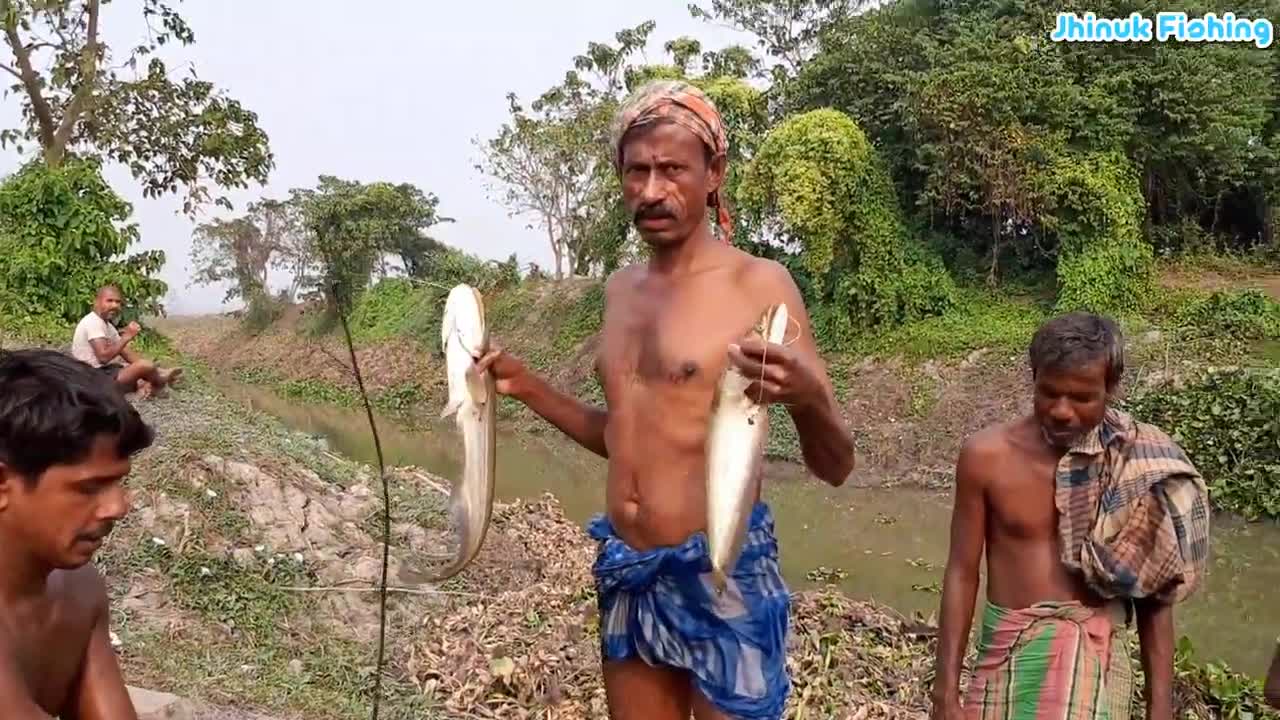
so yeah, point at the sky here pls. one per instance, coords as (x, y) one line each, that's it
(398, 91)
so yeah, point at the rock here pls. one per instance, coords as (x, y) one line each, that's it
(930, 369)
(152, 705)
(295, 667)
(369, 569)
(244, 557)
(1152, 337)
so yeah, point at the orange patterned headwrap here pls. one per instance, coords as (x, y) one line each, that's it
(685, 105)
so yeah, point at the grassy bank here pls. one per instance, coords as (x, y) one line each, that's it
(912, 393)
(239, 580)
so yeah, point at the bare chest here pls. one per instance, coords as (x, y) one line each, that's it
(1022, 500)
(48, 652)
(679, 342)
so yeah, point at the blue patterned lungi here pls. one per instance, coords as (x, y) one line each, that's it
(661, 606)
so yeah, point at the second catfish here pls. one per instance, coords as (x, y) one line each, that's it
(735, 452)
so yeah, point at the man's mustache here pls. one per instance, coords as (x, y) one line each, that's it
(99, 534)
(654, 212)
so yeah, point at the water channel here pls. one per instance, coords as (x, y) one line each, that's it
(889, 545)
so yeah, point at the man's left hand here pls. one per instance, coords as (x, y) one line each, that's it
(778, 374)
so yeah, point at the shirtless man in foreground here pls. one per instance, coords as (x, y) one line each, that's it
(1027, 492)
(66, 439)
(671, 326)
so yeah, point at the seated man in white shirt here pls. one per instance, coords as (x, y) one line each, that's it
(97, 343)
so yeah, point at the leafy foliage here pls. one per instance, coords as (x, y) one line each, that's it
(981, 119)
(412, 306)
(240, 251)
(352, 226)
(171, 134)
(63, 234)
(1095, 209)
(818, 183)
(787, 30)
(1228, 421)
(552, 160)
(1220, 315)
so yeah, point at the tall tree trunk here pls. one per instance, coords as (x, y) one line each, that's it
(996, 222)
(555, 251)
(54, 135)
(1268, 222)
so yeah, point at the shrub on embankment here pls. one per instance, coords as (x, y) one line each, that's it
(63, 233)
(1228, 421)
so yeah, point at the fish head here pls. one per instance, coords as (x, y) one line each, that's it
(774, 324)
(482, 339)
(772, 327)
(464, 319)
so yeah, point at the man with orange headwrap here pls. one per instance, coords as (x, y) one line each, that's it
(670, 646)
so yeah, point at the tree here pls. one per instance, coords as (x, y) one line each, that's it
(817, 185)
(353, 225)
(787, 29)
(240, 251)
(171, 134)
(63, 234)
(552, 160)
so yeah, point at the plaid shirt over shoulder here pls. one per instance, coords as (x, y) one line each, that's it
(1133, 512)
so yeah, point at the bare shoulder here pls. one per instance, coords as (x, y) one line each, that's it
(622, 281)
(983, 451)
(765, 274)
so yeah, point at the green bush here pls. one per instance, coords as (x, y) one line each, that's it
(398, 307)
(817, 181)
(1095, 210)
(1228, 421)
(262, 311)
(980, 319)
(1225, 692)
(63, 234)
(1227, 314)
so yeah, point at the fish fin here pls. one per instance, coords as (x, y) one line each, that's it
(451, 407)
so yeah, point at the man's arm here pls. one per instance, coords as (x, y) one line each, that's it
(1155, 635)
(825, 440)
(1272, 687)
(583, 423)
(106, 350)
(101, 692)
(960, 580)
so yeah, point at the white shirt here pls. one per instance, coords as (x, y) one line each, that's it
(91, 327)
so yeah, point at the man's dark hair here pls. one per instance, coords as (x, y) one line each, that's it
(53, 407)
(1076, 339)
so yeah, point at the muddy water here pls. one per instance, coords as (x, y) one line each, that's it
(889, 545)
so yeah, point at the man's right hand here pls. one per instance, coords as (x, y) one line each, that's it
(131, 330)
(510, 375)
